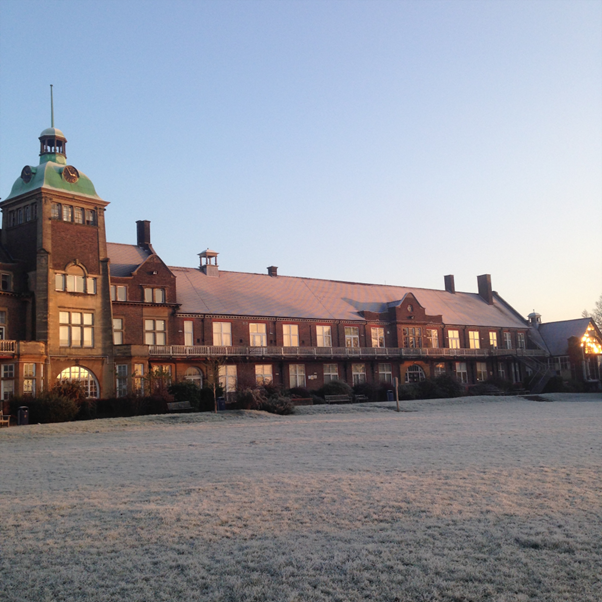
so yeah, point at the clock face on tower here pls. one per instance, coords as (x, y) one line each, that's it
(26, 174)
(70, 174)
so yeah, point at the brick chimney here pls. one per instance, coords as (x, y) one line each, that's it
(143, 233)
(450, 287)
(484, 282)
(273, 271)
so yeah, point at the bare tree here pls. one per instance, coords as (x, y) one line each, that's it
(596, 313)
(213, 376)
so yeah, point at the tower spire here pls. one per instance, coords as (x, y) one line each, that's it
(51, 108)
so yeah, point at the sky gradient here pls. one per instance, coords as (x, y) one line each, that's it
(385, 142)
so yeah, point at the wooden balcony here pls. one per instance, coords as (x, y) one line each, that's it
(8, 347)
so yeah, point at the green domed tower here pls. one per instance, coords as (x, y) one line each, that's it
(53, 231)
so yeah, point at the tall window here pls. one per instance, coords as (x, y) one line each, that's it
(188, 333)
(222, 334)
(473, 339)
(358, 373)
(385, 374)
(520, 340)
(117, 331)
(195, 376)
(90, 217)
(515, 372)
(324, 337)
(297, 375)
(414, 374)
(2, 324)
(154, 332)
(378, 337)
(121, 380)
(501, 371)
(83, 376)
(6, 282)
(67, 213)
(139, 379)
(263, 374)
(461, 372)
(78, 215)
(412, 337)
(76, 329)
(118, 293)
(8, 389)
(55, 211)
(481, 372)
(227, 378)
(439, 369)
(154, 295)
(258, 336)
(331, 372)
(290, 335)
(493, 340)
(432, 338)
(29, 379)
(352, 336)
(454, 339)
(508, 340)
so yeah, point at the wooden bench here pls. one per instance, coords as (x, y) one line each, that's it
(361, 399)
(337, 398)
(179, 406)
(4, 420)
(302, 401)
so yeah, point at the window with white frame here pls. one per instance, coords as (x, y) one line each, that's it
(257, 334)
(76, 329)
(67, 213)
(228, 378)
(117, 331)
(453, 338)
(154, 295)
(8, 371)
(481, 372)
(323, 336)
(515, 372)
(493, 340)
(121, 380)
(352, 336)
(29, 379)
(222, 334)
(263, 374)
(501, 371)
(2, 324)
(439, 369)
(297, 375)
(55, 211)
(378, 337)
(414, 374)
(194, 375)
(508, 340)
(331, 372)
(78, 215)
(432, 338)
(75, 281)
(119, 292)
(358, 373)
(385, 373)
(155, 332)
(290, 335)
(462, 372)
(412, 337)
(82, 375)
(8, 389)
(6, 282)
(188, 333)
(520, 340)
(474, 341)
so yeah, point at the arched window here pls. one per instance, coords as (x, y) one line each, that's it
(414, 374)
(83, 376)
(194, 375)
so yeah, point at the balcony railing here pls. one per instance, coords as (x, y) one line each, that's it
(8, 346)
(333, 352)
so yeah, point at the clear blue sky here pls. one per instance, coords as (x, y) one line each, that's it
(368, 141)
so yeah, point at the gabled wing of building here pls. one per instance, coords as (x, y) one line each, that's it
(557, 334)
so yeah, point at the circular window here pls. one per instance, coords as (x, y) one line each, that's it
(83, 376)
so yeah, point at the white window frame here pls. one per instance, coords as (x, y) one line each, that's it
(29, 378)
(118, 331)
(462, 372)
(258, 334)
(508, 340)
(385, 373)
(290, 335)
(352, 337)
(155, 331)
(520, 340)
(119, 292)
(296, 374)
(453, 338)
(121, 380)
(194, 375)
(263, 374)
(323, 336)
(414, 374)
(188, 333)
(82, 375)
(481, 371)
(8, 389)
(474, 340)
(378, 336)
(432, 338)
(228, 378)
(358, 374)
(76, 329)
(331, 372)
(493, 339)
(412, 337)
(222, 334)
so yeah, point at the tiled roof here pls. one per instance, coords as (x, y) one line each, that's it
(239, 293)
(125, 258)
(557, 334)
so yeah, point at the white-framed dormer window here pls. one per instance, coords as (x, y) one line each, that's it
(493, 339)
(453, 337)
(222, 334)
(257, 334)
(290, 335)
(75, 281)
(473, 339)
(352, 336)
(323, 336)
(378, 337)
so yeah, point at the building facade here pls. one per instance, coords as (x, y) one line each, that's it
(74, 307)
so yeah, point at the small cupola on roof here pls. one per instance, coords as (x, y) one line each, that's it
(209, 263)
(53, 144)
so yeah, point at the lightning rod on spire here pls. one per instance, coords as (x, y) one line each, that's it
(51, 108)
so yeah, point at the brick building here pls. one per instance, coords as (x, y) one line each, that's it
(73, 306)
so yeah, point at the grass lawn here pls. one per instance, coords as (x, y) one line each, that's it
(495, 498)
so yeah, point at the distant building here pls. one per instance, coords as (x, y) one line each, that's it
(73, 306)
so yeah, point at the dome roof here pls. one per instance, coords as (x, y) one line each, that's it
(53, 132)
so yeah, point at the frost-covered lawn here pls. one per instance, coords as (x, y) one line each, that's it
(462, 500)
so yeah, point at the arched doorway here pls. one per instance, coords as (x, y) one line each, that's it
(415, 374)
(83, 376)
(194, 375)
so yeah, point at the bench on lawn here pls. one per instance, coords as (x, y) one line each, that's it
(302, 401)
(337, 398)
(4, 420)
(361, 399)
(179, 406)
